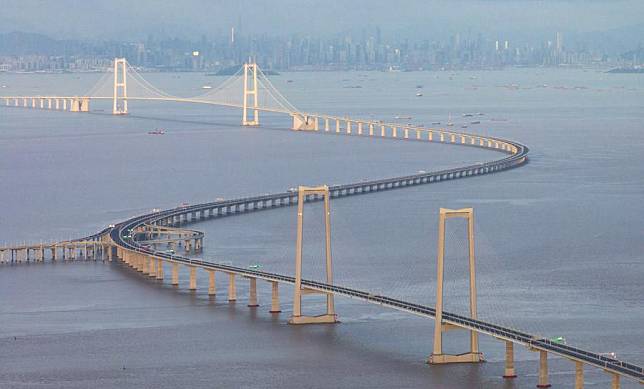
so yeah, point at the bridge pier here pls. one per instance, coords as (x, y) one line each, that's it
(193, 278)
(160, 269)
(543, 370)
(304, 122)
(175, 274)
(211, 283)
(509, 360)
(579, 375)
(152, 266)
(252, 293)
(144, 264)
(615, 384)
(275, 298)
(232, 290)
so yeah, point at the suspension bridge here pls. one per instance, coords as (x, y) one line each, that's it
(137, 241)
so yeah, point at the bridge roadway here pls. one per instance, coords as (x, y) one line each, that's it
(242, 205)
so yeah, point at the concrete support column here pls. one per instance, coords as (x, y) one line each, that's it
(144, 264)
(160, 269)
(509, 360)
(615, 381)
(252, 293)
(394, 132)
(232, 290)
(175, 273)
(275, 298)
(579, 375)
(211, 283)
(193, 278)
(359, 128)
(326, 124)
(543, 370)
(152, 266)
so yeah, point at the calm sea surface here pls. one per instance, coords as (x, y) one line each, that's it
(560, 241)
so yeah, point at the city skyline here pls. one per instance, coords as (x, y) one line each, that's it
(370, 50)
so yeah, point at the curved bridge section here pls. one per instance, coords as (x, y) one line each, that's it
(146, 260)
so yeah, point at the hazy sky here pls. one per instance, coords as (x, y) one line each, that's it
(136, 19)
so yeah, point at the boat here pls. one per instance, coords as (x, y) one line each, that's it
(402, 117)
(436, 123)
(418, 94)
(158, 131)
(464, 126)
(449, 120)
(419, 86)
(475, 122)
(467, 115)
(206, 87)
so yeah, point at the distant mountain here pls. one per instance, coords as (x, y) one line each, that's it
(22, 43)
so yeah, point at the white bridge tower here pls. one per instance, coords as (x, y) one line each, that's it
(120, 87)
(250, 90)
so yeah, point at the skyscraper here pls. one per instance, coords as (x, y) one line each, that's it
(558, 42)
